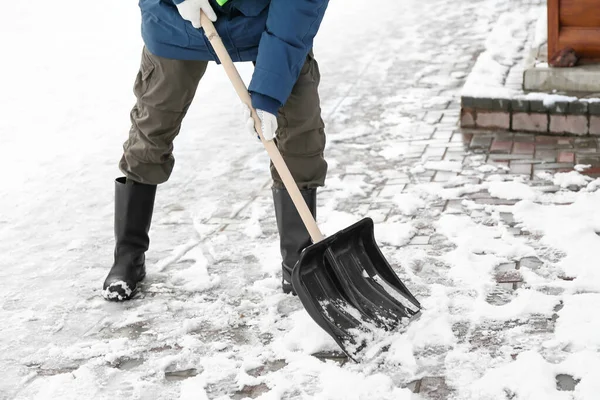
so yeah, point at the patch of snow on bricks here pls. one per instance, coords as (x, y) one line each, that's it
(395, 234)
(549, 99)
(572, 178)
(572, 230)
(305, 336)
(449, 166)
(531, 376)
(582, 167)
(511, 190)
(193, 389)
(408, 204)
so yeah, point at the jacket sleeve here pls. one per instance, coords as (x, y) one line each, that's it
(290, 31)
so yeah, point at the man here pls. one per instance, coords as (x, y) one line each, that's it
(277, 35)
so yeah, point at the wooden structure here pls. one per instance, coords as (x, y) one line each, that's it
(576, 24)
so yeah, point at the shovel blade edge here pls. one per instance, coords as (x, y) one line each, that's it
(345, 283)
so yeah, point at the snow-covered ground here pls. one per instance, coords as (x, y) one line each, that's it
(211, 322)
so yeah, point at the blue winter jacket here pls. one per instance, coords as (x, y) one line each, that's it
(276, 34)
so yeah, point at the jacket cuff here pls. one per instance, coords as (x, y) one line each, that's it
(266, 103)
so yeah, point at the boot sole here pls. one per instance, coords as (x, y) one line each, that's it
(120, 291)
(287, 288)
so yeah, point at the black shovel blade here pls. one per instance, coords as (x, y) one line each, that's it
(346, 285)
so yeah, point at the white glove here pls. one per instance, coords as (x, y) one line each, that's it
(268, 123)
(190, 11)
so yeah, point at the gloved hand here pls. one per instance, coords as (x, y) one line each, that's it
(190, 11)
(268, 123)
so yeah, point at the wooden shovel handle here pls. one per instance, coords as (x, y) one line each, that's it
(276, 158)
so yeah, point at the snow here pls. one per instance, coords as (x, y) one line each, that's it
(578, 325)
(511, 190)
(115, 289)
(394, 234)
(211, 303)
(503, 49)
(450, 166)
(581, 167)
(530, 377)
(408, 204)
(572, 178)
(193, 389)
(541, 29)
(549, 99)
(572, 230)
(306, 336)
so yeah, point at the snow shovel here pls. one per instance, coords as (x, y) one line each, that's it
(343, 281)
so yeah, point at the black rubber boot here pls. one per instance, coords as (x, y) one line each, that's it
(134, 203)
(293, 235)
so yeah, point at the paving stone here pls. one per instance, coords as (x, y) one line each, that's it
(499, 295)
(251, 392)
(480, 141)
(569, 124)
(588, 159)
(518, 105)
(509, 157)
(527, 161)
(578, 108)
(549, 189)
(180, 375)
(268, 367)
(390, 191)
(501, 147)
(515, 231)
(566, 382)
(594, 125)
(554, 146)
(462, 137)
(414, 386)
(523, 148)
(434, 151)
(594, 108)
(454, 207)
(511, 276)
(531, 263)
(420, 240)
(537, 106)
(523, 137)
(444, 176)
(566, 157)
(558, 107)
(493, 120)
(454, 156)
(508, 219)
(503, 136)
(435, 388)
(553, 166)
(501, 104)
(549, 156)
(585, 143)
(520, 169)
(545, 139)
(506, 286)
(496, 202)
(533, 122)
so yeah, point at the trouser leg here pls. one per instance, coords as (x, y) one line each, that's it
(164, 89)
(301, 134)
(301, 141)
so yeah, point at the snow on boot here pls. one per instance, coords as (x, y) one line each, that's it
(293, 235)
(134, 203)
